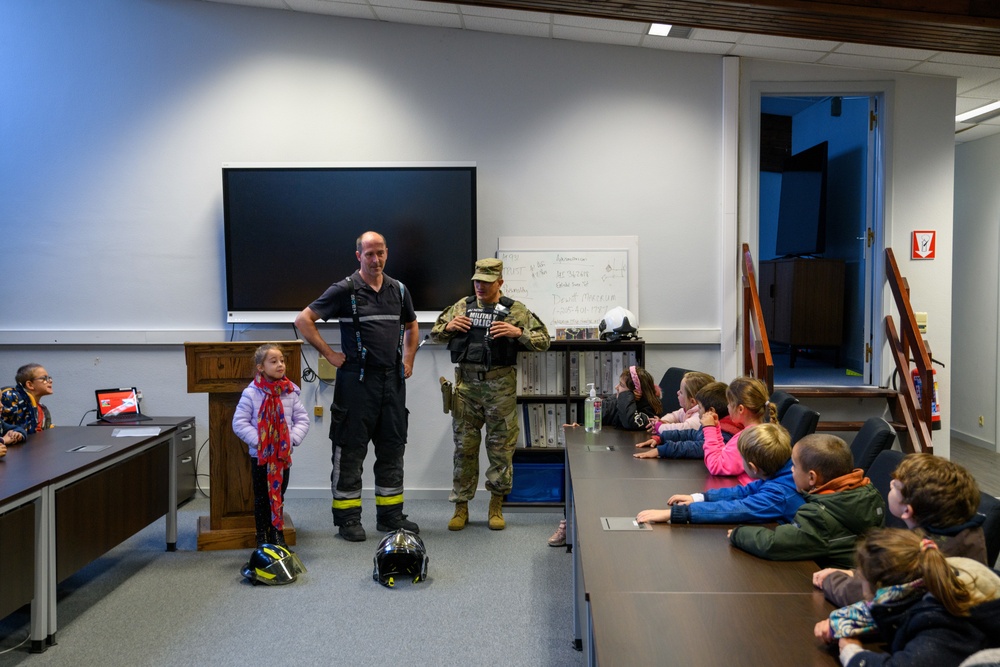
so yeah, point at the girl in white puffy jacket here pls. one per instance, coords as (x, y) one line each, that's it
(271, 419)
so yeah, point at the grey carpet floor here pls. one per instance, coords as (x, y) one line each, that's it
(492, 598)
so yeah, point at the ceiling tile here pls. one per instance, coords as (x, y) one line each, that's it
(270, 4)
(417, 5)
(716, 35)
(970, 77)
(963, 104)
(885, 51)
(512, 14)
(345, 9)
(600, 24)
(967, 59)
(489, 24)
(989, 91)
(437, 19)
(748, 51)
(601, 36)
(868, 62)
(788, 43)
(686, 45)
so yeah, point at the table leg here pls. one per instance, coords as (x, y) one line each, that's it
(39, 604)
(172, 497)
(50, 567)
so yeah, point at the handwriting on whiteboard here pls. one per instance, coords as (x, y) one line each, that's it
(567, 288)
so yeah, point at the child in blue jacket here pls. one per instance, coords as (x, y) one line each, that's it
(688, 443)
(772, 496)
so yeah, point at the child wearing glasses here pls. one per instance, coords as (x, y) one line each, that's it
(21, 406)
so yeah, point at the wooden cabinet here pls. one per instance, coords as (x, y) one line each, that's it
(186, 449)
(803, 303)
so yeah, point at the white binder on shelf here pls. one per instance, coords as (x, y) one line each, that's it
(560, 359)
(574, 373)
(551, 428)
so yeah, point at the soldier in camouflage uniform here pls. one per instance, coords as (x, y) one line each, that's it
(484, 333)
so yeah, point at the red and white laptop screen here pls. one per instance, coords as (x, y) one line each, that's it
(117, 402)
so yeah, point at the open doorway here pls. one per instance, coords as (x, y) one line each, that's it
(819, 228)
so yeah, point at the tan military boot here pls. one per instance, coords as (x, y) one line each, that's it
(496, 513)
(461, 516)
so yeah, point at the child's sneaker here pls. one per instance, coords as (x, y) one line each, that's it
(558, 538)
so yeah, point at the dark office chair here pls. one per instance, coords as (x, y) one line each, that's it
(875, 436)
(782, 400)
(990, 506)
(880, 474)
(800, 421)
(669, 384)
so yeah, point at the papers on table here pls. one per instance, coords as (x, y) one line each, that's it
(136, 432)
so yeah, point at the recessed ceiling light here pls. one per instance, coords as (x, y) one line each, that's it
(659, 29)
(968, 116)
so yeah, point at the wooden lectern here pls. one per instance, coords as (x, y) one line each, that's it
(224, 370)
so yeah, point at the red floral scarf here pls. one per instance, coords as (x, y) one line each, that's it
(274, 442)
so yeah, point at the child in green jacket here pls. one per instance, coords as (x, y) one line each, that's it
(841, 505)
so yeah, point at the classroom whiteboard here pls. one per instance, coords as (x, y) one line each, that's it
(571, 281)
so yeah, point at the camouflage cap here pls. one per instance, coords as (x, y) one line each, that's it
(488, 270)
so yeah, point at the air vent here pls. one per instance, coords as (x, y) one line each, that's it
(680, 32)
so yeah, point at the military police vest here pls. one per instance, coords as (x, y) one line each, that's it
(476, 346)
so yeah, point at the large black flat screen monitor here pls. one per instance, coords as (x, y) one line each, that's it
(291, 231)
(802, 205)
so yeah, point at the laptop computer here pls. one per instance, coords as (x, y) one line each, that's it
(119, 405)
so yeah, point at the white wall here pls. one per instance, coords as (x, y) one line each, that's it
(114, 144)
(119, 115)
(974, 314)
(122, 118)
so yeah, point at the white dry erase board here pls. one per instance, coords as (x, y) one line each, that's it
(571, 281)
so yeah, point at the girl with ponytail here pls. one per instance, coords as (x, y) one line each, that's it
(748, 406)
(928, 609)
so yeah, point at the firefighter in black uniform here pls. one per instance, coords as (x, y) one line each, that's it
(379, 336)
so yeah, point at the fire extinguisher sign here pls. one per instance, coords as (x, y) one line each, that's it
(923, 244)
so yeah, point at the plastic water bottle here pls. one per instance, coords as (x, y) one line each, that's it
(592, 411)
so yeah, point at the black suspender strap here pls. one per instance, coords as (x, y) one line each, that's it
(402, 329)
(362, 351)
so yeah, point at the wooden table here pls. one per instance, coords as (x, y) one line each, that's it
(678, 594)
(89, 492)
(751, 629)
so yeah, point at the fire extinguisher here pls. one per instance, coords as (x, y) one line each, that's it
(935, 405)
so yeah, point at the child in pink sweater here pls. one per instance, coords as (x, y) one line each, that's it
(687, 417)
(748, 406)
